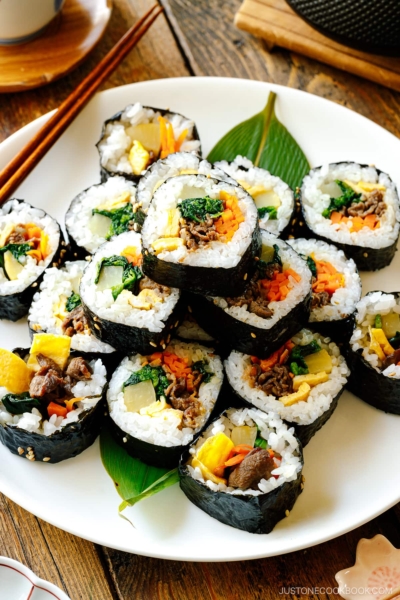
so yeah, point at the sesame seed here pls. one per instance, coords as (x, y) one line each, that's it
(291, 237)
(75, 254)
(365, 254)
(55, 265)
(34, 284)
(176, 324)
(29, 449)
(301, 223)
(96, 319)
(168, 339)
(88, 258)
(253, 335)
(303, 479)
(245, 276)
(163, 346)
(302, 486)
(20, 450)
(287, 512)
(136, 227)
(153, 344)
(294, 221)
(124, 440)
(30, 457)
(190, 309)
(46, 459)
(63, 244)
(97, 327)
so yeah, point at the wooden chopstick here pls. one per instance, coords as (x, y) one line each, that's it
(25, 161)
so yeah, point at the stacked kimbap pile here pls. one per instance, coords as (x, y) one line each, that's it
(175, 261)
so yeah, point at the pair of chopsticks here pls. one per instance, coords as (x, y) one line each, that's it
(26, 160)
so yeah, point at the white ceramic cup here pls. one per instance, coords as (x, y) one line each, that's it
(22, 20)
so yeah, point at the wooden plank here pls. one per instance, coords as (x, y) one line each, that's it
(63, 559)
(217, 47)
(266, 579)
(156, 56)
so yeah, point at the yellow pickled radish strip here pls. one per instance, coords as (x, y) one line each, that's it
(14, 373)
(180, 140)
(56, 347)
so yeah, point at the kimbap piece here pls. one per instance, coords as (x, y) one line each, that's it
(374, 352)
(301, 382)
(201, 235)
(159, 402)
(179, 163)
(51, 400)
(357, 208)
(273, 197)
(125, 308)
(30, 241)
(272, 307)
(139, 135)
(245, 470)
(57, 309)
(336, 288)
(99, 213)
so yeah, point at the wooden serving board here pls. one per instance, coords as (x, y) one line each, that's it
(279, 25)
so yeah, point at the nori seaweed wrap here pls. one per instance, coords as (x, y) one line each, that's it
(51, 405)
(201, 235)
(245, 470)
(30, 241)
(354, 206)
(124, 308)
(100, 212)
(135, 137)
(374, 351)
(336, 288)
(301, 382)
(158, 403)
(273, 197)
(273, 306)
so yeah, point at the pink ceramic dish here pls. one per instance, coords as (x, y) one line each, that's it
(17, 582)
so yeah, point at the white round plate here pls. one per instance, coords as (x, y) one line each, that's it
(349, 469)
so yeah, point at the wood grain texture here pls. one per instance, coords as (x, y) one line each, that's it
(214, 46)
(279, 25)
(155, 57)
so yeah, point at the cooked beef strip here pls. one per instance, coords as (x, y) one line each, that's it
(46, 364)
(371, 203)
(257, 465)
(75, 322)
(392, 359)
(188, 404)
(198, 234)
(42, 385)
(276, 381)
(320, 299)
(79, 369)
(253, 296)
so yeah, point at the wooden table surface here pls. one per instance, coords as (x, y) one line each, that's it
(194, 37)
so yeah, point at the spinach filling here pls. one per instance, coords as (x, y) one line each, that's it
(197, 209)
(298, 365)
(312, 266)
(202, 367)
(130, 276)
(17, 404)
(263, 266)
(17, 250)
(268, 210)
(155, 374)
(73, 302)
(348, 197)
(121, 218)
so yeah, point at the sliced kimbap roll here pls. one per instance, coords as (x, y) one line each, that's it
(374, 353)
(302, 381)
(357, 208)
(336, 288)
(125, 308)
(99, 213)
(272, 307)
(159, 402)
(201, 234)
(51, 400)
(273, 197)
(30, 241)
(57, 309)
(245, 470)
(139, 135)
(179, 163)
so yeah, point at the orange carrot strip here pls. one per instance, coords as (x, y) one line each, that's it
(235, 460)
(56, 409)
(242, 449)
(219, 471)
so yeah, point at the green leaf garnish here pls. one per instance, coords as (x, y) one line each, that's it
(133, 479)
(298, 366)
(121, 218)
(155, 374)
(312, 266)
(202, 367)
(130, 277)
(270, 210)
(261, 443)
(348, 197)
(17, 250)
(267, 143)
(17, 404)
(378, 322)
(73, 302)
(197, 209)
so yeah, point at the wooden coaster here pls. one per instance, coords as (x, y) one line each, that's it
(64, 44)
(279, 25)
